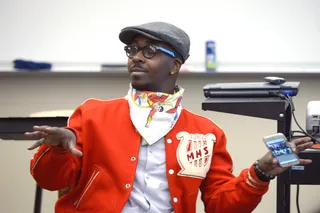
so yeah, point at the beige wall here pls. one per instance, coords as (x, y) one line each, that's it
(22, 95)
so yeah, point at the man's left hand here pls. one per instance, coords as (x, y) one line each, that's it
(269, 164)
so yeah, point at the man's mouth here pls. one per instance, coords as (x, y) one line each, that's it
(137, 69)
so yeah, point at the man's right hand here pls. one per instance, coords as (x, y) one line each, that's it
(54, 136)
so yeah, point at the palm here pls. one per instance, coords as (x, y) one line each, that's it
(57, 138)
(54, 136)
(269, 164)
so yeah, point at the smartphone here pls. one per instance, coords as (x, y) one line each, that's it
(281, 150)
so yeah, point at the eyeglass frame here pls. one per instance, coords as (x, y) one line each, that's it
(162, 49)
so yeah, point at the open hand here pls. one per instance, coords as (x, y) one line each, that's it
(269, 164)
(54, 136)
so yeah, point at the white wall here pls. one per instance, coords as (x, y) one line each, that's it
(251, 35)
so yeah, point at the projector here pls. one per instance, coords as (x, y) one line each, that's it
(313, 119)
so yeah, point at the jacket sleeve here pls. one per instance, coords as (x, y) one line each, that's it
(54, 167)
(223, 192)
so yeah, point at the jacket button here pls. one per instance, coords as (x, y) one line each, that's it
(169, 140)
(171, 171)
(128, 185)
(175, 199)
(133, 159)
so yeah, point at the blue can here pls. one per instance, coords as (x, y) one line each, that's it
(211, 63)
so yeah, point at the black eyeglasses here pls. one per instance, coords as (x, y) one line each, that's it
(148, 51)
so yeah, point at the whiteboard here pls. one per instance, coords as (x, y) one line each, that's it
(252, 35)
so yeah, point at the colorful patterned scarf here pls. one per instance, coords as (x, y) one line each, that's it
(154, 114)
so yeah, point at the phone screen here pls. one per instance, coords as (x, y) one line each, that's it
(282, 151)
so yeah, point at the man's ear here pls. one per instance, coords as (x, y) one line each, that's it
(176, 66)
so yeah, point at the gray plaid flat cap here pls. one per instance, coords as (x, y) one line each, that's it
(159, 31)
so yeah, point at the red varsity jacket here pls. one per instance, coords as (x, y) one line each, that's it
(101, 180)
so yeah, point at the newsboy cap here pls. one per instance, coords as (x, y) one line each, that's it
(159, 31)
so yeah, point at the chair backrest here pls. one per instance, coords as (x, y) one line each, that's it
(52, 113)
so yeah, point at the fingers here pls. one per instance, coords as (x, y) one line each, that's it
(53, 130)
(274, 161)
(40, 128)
(74, 150)
(299, 141)
(36, 144)
(305, 161)
(37, 134)
(47, 129)
(303, 147)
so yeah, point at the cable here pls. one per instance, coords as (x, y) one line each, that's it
(304, 134)
(292, 109)
(295, 120)
(300, 136)
(297, 131)
(302, 131)
(297, 198)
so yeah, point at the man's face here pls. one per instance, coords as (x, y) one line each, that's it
(151, 74)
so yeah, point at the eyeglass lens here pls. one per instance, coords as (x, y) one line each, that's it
(147, 51)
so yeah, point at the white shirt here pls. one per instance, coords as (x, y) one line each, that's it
(150, 192)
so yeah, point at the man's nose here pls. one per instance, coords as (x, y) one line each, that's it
(138, 57)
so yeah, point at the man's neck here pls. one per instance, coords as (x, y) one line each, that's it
(167, 91)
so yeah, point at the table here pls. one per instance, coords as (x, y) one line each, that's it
(278, 109)
(13, 128)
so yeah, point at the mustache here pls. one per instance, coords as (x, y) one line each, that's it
(137, 66)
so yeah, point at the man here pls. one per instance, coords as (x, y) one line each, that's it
(144, 152)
